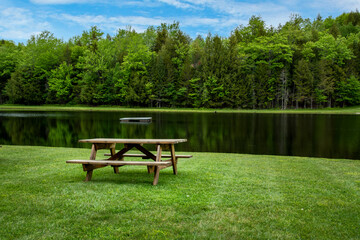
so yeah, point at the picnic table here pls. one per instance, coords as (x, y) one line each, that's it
(116, 159)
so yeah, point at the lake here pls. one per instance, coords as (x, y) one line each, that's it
(313, 135)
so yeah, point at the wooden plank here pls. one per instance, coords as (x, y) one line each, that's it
(119, 155)
(173, 159)
(146, 152)
(133, 141)
(104, 145)
(119, 163)
(144, 156)
(88, 176)
(157, 169)
(93, 152)
(112, 152)
(89, 171)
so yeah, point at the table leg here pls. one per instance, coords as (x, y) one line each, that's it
(88, 175)
(112, 152)
(173, 159)
(93, 152)
(92, 157)
(157, 168)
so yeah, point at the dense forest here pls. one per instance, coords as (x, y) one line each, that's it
(301, 64)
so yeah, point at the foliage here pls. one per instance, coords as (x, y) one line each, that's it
(8, 61)
(302, 64)
(304, 82)
(29, 82)
(349, 91)
(61, 82)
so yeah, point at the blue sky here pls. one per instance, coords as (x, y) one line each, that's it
(19, 19)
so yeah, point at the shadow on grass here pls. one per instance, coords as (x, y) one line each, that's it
(133, 176)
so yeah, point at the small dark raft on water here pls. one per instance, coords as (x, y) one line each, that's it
(136, 120)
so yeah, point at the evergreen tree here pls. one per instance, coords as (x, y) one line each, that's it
(304, 83)
(348, 92)
(304, 63)
(36, 60)
(8, 62)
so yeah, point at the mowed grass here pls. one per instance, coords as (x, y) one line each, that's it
(214, 196)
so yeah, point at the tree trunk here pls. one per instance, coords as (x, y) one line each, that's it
(284, 90)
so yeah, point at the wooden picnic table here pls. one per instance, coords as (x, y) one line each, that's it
(117, 158)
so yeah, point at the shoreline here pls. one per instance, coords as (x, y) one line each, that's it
(7, 107)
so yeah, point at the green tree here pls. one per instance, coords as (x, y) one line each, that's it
(91, 38)
(276, 54)
(8, 62)
(353, 65)
(311, 62)
(233, 86)
(329, 48)
(325, 82)
(61, 82)
(254, 29)
(169, 74)
(96, 74)
(36, 60)
(213, 94)
(304, 83)
(213, 71)
(348, 92)
(133, 83)
(98, 68)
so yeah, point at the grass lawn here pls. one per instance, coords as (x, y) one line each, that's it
(214, 196)
(11, 107)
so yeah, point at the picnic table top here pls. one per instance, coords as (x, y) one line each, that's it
(133, 141)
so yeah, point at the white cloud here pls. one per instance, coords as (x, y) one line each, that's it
(137, 20)
(344, 5)
(140, 24)
(58, 1)
(19, 23)
(202, 16)
(231, 7)
(247, 8)
(139, 3)
(233, 13)
(100, 20)
(197, 21)
(84, 20)
(177, 3)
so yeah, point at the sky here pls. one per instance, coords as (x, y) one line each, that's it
(19, 19)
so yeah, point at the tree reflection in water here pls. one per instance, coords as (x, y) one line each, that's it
(334, 136)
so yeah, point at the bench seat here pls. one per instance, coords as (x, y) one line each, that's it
(144, 156)
(120, 163)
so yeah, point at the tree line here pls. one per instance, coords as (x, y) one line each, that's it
(301, 64)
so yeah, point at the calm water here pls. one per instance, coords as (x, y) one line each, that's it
(334, 136)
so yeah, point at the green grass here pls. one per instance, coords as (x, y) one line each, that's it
(214, 196)
(11, 107)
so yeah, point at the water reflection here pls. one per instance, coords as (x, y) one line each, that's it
(336, 136)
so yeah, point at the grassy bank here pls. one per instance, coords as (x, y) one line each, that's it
(347, 110)
(214, 196)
